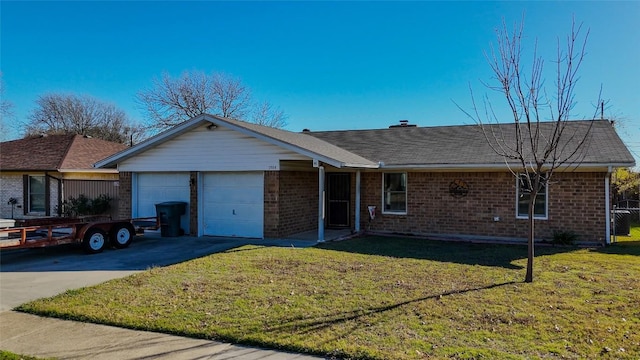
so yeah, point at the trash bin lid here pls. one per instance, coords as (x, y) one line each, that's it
(172, 203)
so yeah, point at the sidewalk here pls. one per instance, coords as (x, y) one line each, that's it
(47, 337)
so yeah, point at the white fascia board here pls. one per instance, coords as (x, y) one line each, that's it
(361, 166)
(444, 167)
(89, 171)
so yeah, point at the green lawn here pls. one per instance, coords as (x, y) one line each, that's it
(385, 298)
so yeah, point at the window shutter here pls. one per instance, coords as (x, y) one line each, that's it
(25, 194)
(47, 195)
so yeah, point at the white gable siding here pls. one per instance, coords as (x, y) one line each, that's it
(219, 149)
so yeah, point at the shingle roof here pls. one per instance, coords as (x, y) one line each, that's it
(442, 147)
(55, 152)
(466, 145)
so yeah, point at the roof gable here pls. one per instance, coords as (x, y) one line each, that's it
(299, 143)
(54, 153)
(84, 152)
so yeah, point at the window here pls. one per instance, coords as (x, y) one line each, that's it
(394, 193)
(523, 195)
(37, 194)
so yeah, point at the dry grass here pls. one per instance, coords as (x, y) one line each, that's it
(385, 298)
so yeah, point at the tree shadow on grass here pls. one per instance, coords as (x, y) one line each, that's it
(307, 325)
(620, 248)
(484, 254)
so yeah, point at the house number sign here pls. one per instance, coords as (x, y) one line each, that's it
(458, 188)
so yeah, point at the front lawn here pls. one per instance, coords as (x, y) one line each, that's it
(385, 298)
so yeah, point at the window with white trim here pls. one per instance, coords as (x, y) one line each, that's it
(523, 195)
(37, 194)
(394, 193)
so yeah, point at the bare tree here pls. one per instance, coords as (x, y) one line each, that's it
(6, 111)
(83, 115)
(540, 140)
(265, 114)
(171, 101)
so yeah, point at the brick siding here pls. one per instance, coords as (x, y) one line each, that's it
(298, 202)
(290, 202)
(124, 195)
(575, 204)
(271, 208)
(11, 188)
(193, 203)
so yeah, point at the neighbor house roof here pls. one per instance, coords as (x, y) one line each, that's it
(467, 146)
(301, 143)
(55, 153)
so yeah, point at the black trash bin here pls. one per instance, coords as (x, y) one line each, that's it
(169, 213)
(622, 222)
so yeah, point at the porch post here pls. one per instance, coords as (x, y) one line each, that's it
(320, 203)
(357, 207)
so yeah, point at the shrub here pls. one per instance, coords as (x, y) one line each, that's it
(82, 205)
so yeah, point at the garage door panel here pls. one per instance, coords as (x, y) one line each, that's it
(239, 179)
(229, 195)
(240, 212)
(234, 229)
(154, 188)
(233, 204)
(167, 179)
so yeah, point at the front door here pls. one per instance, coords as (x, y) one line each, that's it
(339, 199)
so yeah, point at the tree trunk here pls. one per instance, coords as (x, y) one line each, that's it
(530, 252)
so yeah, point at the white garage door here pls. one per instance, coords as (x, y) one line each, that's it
(154, 188)
(233, 204)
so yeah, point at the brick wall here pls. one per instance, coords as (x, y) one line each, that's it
(193, 203)
(297, 203)
(575, 204)
(271, 205)
(11, 187)
(54, 200)
(124, 195)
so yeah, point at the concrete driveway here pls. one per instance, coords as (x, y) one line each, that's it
(31, 274)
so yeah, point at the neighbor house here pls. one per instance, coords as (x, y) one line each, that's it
(41, 172)
(245, 180)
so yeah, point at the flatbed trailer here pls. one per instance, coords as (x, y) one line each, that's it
(92, 235)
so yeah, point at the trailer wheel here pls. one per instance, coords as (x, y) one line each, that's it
(94, 241)
(121, 235)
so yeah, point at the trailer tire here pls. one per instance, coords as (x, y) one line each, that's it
(94, 241)
(121, 235)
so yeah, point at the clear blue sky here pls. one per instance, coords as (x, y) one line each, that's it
(328, 65)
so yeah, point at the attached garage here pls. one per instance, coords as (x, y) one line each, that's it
(153, 188)
(240, 180)
(233, 204)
